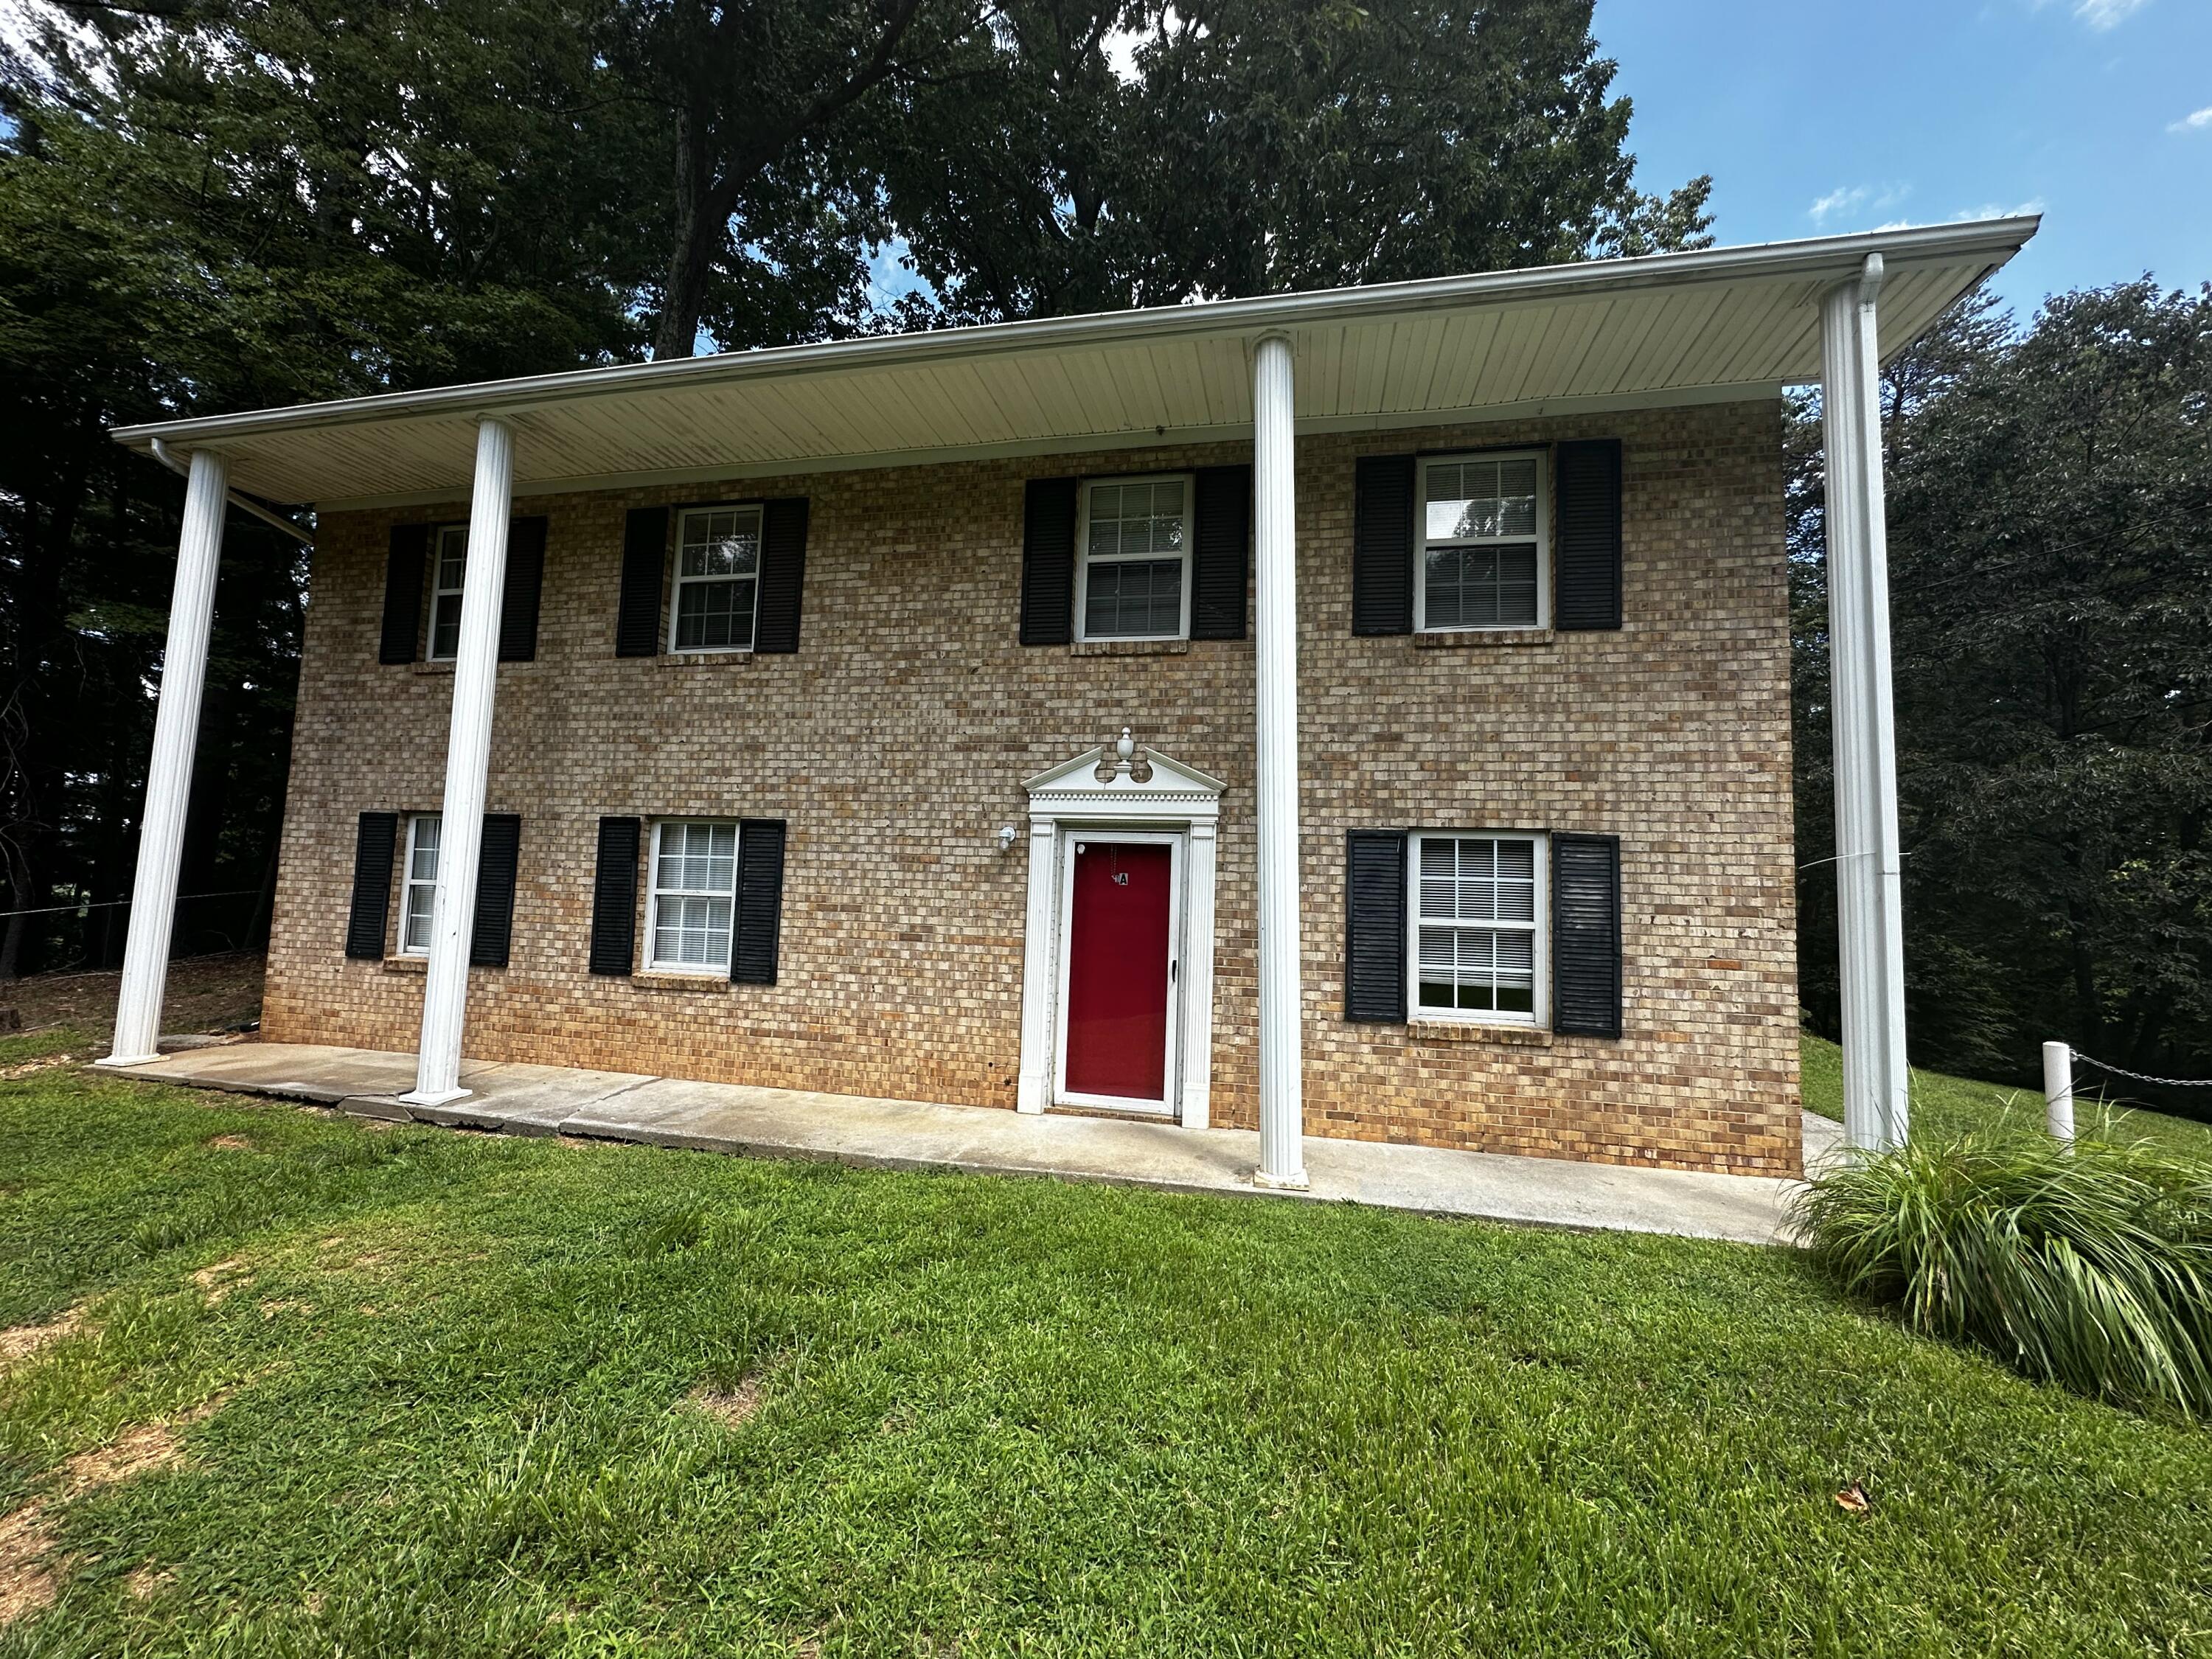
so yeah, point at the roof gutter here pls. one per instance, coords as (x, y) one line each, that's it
(1834, 257)
(244, 503)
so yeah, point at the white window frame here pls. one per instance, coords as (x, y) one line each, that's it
(439, 593)
(411, 885)
(1189, 481)
(654, 892)
(1539, 1016)
(678, 580)
(1423, 541)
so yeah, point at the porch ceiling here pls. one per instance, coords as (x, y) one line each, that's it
(1672, 328)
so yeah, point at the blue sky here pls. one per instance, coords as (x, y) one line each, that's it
(1847, 114)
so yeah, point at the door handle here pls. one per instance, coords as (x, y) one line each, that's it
(1174, 968)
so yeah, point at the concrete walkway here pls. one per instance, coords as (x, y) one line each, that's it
(906, 1134)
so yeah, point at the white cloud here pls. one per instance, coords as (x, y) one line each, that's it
(2195, 121)
(1847, 199)
(2000, 210)
(1836, 201)
(2107, 14)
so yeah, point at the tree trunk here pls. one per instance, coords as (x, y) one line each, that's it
(699, 233)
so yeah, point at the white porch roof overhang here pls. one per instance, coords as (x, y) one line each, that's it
(1712, 325)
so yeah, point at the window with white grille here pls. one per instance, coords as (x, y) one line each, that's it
(694, 886)
(449, 568)
(419, 894)
(1478, 936)
(717, 578)
(1136, 539)
(1484, 543)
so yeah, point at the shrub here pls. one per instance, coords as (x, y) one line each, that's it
(2089, 1265)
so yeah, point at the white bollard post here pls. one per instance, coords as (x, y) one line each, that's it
(2058, 1090)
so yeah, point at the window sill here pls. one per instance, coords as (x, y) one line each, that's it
(680, 662)
(443, 666)
(659, 979)
(407, 964)
(1470, 1030)
(1129, 648)
(1455, 639)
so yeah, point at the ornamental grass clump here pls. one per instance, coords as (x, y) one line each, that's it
(2087, 1263)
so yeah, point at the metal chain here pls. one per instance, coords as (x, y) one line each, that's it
(2162, 1082)
(109, 904)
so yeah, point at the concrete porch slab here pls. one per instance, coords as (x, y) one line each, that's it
(909, 1134)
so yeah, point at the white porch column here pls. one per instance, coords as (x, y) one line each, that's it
(468, 756)
(1868, 890)
(1033, 1090)
(169, 768)
(1274, 547)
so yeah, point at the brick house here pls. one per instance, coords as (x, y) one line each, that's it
(1360, 714)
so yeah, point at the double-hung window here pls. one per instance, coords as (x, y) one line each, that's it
(718, 551)
(1477, 936)
(449, 568)
(1484, 543)
(419, 897)
(1134, 539)
(695, 890)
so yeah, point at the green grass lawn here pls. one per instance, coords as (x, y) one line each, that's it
(1944, 1105)
(433, 1394)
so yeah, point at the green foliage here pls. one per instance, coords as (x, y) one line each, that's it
(456, 1416)
(2088, 1265)
(2051, 549)
(1254, 146)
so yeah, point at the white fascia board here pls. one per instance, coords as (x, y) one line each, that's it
(1839, 257)
(1102, 443)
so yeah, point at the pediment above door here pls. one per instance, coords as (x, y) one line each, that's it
(1099, 782)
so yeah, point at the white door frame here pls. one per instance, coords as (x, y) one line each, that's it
(1175, 842)
(1095, 793)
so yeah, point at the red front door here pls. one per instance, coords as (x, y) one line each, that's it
(1117, 970)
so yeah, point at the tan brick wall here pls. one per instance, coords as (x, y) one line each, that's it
(896, 740)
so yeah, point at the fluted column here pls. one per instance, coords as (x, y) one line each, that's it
(1274, 548)
(1870, 907)
(468, 759)
(169, 768)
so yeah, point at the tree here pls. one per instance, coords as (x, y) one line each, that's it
(218, 207)
(1255, 146)
(755, 101)
(2050, 547)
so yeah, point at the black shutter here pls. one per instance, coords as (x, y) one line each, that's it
(760, 901)
(1375, 926)
(1587, 547)
(1383, 544)
(1048, 562)
(1586, 935)
(614, 896)
(372, 885)
(518, 594)
(495, 866)
(403, 592)
(782, 575)
(645, 562)
(1219, 559)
